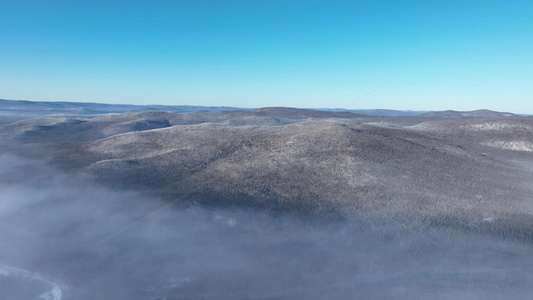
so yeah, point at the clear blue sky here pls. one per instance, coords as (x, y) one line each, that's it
(458, 54)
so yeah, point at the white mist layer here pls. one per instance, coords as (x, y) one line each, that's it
(107, 244)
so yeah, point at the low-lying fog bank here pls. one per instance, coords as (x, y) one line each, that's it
(97, 243)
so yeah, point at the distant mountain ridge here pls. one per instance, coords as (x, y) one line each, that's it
(379, 112)
(87, 108)
(481, 113)
(41, 108)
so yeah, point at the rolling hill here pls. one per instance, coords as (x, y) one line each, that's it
(440, 172)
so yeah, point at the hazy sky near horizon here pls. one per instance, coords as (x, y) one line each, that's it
(418, 55)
